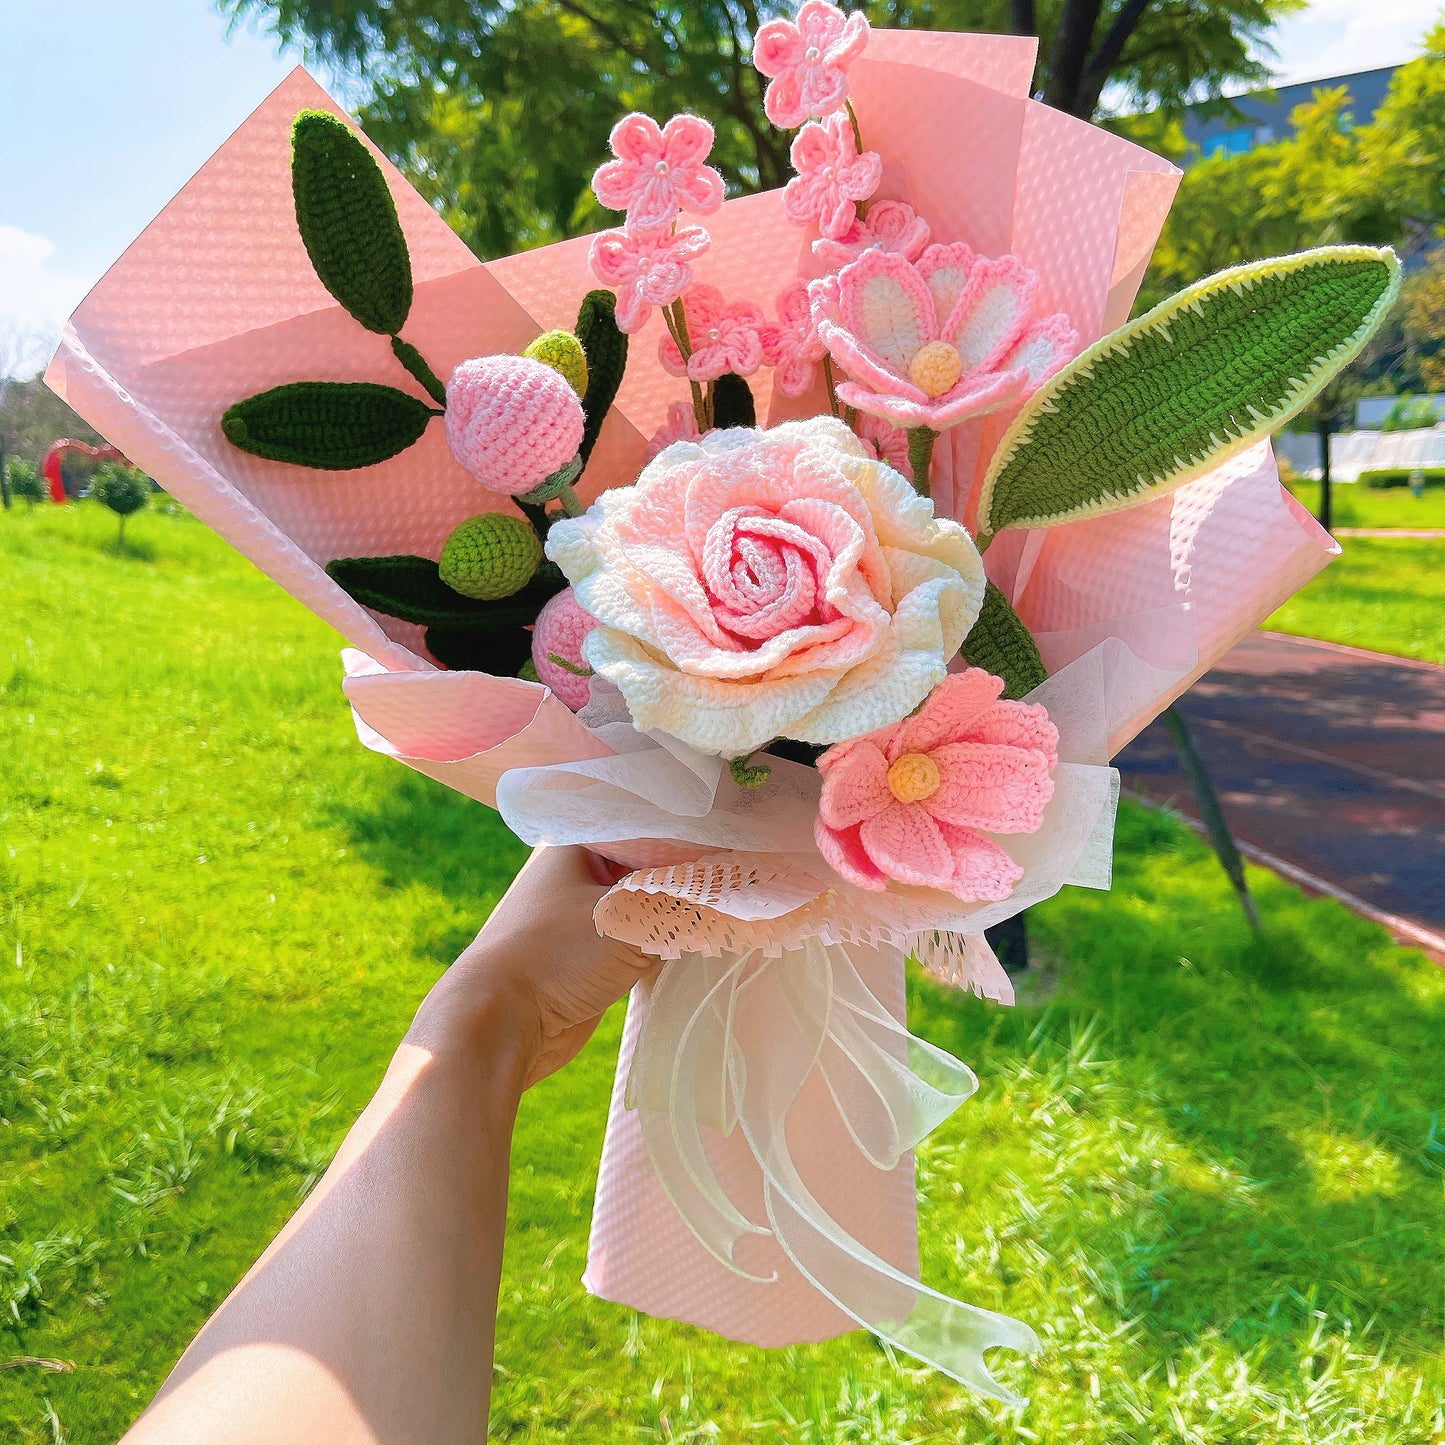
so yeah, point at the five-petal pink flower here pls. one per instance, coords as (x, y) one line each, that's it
(645, 268)
(891, 226)
(724, 337)
(807, 61)
(832, 177)
(887, 442)
(932, 343)
(680, 426)
(912, 803)
(659, 171)
(793, 347)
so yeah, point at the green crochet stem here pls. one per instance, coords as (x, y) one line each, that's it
(1001, 644)
(920, 456)
(733, 403)
(333, 425)
(348, 222)
(557, 488)
(415, 363)
(411, 588)
(747, 775)
(1201, 377)
(606, 350)
(570, 666)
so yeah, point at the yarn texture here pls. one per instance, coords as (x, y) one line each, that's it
(563, 353)
(1002, 645)
(807, 61)
(562, 627)
(490, 557)
(332, 425)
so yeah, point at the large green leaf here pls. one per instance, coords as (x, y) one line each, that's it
(335, 425)
(411, 588)
(1206, 374)
(1001, 644)
(500, 653)
(348, 221)
(605, 347)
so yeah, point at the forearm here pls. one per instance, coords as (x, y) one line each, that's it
(371, 1316)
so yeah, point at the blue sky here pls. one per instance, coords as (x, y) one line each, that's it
(107, 107)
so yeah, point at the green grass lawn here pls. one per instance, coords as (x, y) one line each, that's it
(1355, 506)
(1387, 594)
(1210, 1169)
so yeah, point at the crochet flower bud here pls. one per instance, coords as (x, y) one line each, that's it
(512, 421)
(557, 639)
(563, 353)
(490, 557)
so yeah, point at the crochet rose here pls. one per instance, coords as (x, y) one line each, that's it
(891, 226)
(911, 803)
(645, 268)
(765, 584)
(659, 170)
(932, 343)
(807, 60)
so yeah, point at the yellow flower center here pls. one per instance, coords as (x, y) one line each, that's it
(936, 368)
(913, 778)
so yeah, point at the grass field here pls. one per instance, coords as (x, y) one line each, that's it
(1209, 1168)
(1355, 506)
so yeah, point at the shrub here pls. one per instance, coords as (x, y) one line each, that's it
(1400, 476)
(25, 480)
(1410, 414)
(123, 489)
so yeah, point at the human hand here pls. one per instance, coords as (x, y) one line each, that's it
(538, 965)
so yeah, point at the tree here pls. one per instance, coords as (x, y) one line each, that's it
(125, 490)
(1423, 321)
(23, 480)
(498, 109)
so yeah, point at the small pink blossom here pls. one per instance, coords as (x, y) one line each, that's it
(832, 177)
(680, 426)
(911, 803)
(724, 337)
(886, 442)
(891, 226)
(807, 61)
(659, 171)
(932, 343)
(793, 347)
(645, 268)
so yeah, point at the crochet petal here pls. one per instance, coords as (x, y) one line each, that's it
(1000, 789)
(859, 180)
(856, 786)
(637, 138)
(1043, 350)
(700, 190)
(992, 313)
(614, 184)
(1013, 724)
(953, 706)
(850, 40)
(686, 140)
(783, 101)
(824, 89)
(846, 855)
(905, 842)
(982, 871)
(865, 366)
(777, 47)
(884, 302)
(946, 270)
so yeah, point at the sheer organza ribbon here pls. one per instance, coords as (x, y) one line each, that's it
(728, 1043)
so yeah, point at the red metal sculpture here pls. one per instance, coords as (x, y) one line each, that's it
(50, 467)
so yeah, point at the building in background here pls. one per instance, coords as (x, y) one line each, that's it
(1264, 114)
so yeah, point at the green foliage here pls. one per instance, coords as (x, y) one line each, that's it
(1205, 374)
(348, 221)
(417, 365)
(332, 425)
(605, 347)
(124, 490)
(1410, 414)
(1380, 477)
(733, 403)
(1204, 1166)
(1000, 643)
(26, 483)
(501, 650)
(411, 588)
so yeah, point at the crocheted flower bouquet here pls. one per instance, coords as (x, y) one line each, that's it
(841, 688)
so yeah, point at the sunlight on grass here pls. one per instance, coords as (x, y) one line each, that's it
(1208, 1168)
(1354, 505)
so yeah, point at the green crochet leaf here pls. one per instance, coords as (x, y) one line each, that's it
(502, 653)
(416, 363)
(348, 221)
(1002, 645)
(606, 350)
(1206, 374)
(733, 403)
(411, 588)
(335, 425)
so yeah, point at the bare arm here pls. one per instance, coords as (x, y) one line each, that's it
(371, 1316)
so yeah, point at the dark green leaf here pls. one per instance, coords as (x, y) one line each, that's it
(1002, 645)
(335, 425)
(348, 221)
(500, 653)
(606, 349)
(416, 363)
(411, 588)
(733, 403)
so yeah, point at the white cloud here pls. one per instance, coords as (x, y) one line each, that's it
(1342, 37)
(36, 297)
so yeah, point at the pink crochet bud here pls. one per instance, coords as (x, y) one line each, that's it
(561, 628)
(512, 421)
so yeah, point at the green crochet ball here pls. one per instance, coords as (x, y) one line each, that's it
(490, 557)
(562, 352)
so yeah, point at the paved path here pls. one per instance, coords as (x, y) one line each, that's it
(1327, 759)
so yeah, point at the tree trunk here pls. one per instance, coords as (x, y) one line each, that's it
(1326, 513)
(1210, 813)
(4, 475)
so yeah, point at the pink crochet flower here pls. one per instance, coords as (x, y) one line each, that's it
(562, 628)
(832, 177)
(793, 347)
(659, 171)
(807, 60)
(906, 804)
(886, 442)
(764, 584)
(681, 426)
(891, 226)
(512, 421)
(645, 268)
(724, 337)
(931, 343)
